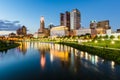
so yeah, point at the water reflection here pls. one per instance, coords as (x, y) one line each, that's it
(54, 57)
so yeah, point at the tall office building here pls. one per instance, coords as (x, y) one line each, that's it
(22, 31)
(62, 19)
(65, 19)
(42, 25)
(75, 18)
(42, 31)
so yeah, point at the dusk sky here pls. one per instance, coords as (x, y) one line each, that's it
(28, 12)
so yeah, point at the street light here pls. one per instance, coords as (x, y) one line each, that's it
(113, 42)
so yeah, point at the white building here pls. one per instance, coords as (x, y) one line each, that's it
(35, 35)
(83, 31)
(110, 33)
(58, 31)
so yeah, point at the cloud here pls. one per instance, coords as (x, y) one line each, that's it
(9, 25)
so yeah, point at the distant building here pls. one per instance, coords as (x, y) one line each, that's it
(75, 19)
(65, 19)
(83, 31)
(42, 31)
(42, 25)
(109, 32)
(118, 30)
(100, 27)
(22, 31)
(103, 24)
(62, 19)
(12, 35)
(59, 31)
(93, 24)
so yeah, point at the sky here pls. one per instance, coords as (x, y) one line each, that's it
(15, 13)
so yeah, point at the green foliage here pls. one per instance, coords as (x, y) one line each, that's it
(106, 37)
(112, 37)
(4, 45)
(119, 37)
(100, 37)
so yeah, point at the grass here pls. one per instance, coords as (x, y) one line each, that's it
(109, 54)
(105, 43)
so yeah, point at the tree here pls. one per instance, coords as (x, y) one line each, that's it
(118, 36)
(112, 37)
(100, 37)
(106, 36)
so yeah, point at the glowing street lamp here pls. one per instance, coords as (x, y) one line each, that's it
(113, 42)
(103, 39)
(96, 41)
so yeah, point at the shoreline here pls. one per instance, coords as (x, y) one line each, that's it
(105, 53)
(14, 45)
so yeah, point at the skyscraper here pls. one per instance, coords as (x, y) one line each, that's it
(65, 19)
(75, 18)
(62, 19)
(42, 25)
(42, 31)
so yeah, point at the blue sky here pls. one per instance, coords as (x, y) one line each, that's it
(28, 12)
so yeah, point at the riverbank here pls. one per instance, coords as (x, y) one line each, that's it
(104, 43)
(106, 53)
(4, 45)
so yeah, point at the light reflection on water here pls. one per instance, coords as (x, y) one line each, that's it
(55, 58)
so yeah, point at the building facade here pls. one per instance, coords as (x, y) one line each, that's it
(93, 24)
(62, 19)
(83, 31)
(65, 19)
(75, 18)
(42, 31)
(59, 31)
(22, 31)
(103, 24)
(42, 25)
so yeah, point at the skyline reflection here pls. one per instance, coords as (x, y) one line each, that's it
(55, 60)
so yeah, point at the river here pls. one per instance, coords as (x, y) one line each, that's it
(48, 61)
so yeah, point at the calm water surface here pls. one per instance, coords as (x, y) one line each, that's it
(47, 61)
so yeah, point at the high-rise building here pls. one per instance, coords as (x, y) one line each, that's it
(62, 19)
(42, 31)
(42, 25)
(22, 31)
(65, 19)
(75, 18)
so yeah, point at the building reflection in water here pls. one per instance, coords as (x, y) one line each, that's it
(95, 60)
(42, 48)
(69, 57)
(23, 47)
(42, 59)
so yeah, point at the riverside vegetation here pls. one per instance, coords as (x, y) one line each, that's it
(5, 45)
(106, 53)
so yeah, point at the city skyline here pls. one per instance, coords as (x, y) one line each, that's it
(28, 12)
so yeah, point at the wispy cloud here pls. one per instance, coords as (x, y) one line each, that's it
(9, 25)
